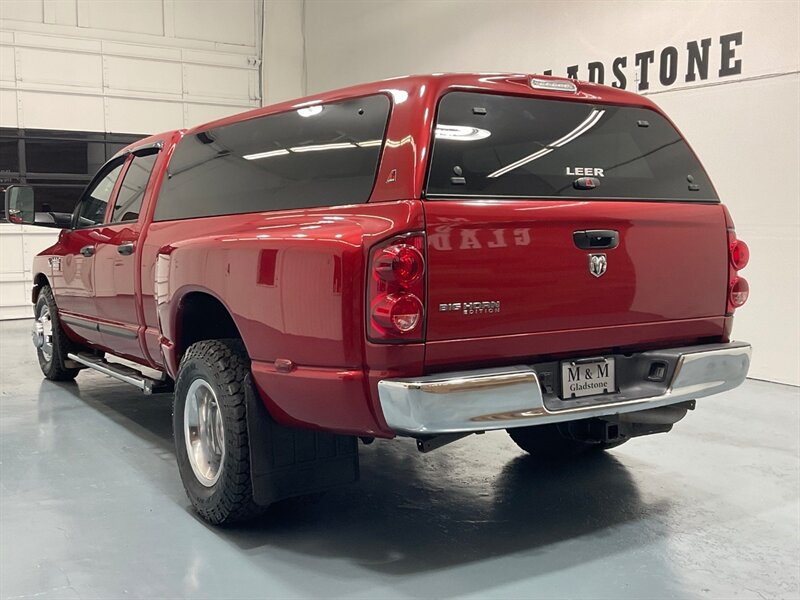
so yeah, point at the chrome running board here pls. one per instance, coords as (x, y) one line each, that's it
(122, 373)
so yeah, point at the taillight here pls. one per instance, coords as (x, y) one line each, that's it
(396, 289)
(738, 257)
(399, 263)
(740, 254)
(740, 290)
(400, 312)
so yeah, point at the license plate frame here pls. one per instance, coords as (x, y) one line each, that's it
(588, 377)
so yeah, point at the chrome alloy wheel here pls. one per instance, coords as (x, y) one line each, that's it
(42, 333)
(204, 432)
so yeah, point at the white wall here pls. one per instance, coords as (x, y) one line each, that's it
(127, 67)
(745, 126)
(18, 245)
(283, 68)
(117, 66)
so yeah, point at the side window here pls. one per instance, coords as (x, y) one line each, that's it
(319, 155)
(131, 191)
(92, 208)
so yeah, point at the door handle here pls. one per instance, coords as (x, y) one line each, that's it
(87, 251)
(596, 239)
(125, 249)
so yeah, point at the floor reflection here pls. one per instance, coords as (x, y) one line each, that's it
(474, 500)
(412, 514)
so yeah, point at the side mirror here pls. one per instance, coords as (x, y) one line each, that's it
(20, 209)
(19, 204)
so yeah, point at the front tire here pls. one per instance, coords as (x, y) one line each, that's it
(548, 442)
(210, 428)
(52, 344)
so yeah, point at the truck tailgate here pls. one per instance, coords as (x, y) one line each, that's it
(500, 268)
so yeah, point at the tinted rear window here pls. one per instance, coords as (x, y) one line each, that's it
(322, 155)
(504, 146)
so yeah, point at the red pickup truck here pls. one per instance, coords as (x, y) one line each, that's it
(427, 256)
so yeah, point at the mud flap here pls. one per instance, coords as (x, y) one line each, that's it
(287, 462)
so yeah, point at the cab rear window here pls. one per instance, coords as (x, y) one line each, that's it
(494, 146)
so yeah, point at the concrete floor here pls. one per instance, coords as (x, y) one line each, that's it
(91, 506)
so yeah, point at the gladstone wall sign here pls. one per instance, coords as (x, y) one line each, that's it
(698, 61)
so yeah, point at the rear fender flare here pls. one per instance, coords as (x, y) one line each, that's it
(170, 314)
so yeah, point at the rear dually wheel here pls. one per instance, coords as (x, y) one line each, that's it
(210, 428)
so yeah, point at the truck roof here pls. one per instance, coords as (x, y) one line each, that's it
(431, 85)
(407, 87)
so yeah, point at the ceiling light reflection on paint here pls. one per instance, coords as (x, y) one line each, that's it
(258, 155)
(399, 96)
(461, 133)
(310, 111)
(320, 147)
(369, 143)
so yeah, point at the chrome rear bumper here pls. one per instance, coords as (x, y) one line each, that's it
(506, 397)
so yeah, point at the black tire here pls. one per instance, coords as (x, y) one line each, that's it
(58, 344)
(222, 365)
(549, 443)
